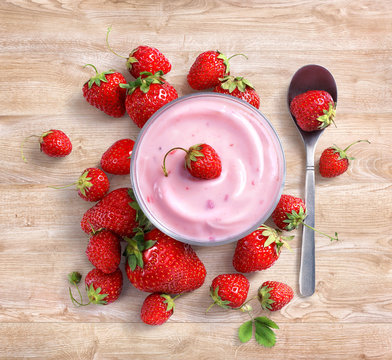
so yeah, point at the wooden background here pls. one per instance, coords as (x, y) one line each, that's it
(44, 45)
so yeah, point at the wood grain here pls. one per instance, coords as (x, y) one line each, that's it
(44, 45)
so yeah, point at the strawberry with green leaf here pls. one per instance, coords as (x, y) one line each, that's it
(229, 291)
(158, 263)
(157, 308)
(147, 94)
(201, 160)
(101, 288)
(291, 212)
(259, 250)
(103, 91)
(240, 88)
(92, 185)
(273, 295)
(334, 161)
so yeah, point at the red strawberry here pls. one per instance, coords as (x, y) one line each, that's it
(240, 88)
(313, 110)
(158, 263)
(103, 92)
(208, 67)
(258, 250)
(147, 95)
(157, 309)
(53, 143)
(229, 290)
(334, 161)
(93, 184)
(117, 159)
(273, 295)
(290, 213)
(104, 251)
(201, 160)
(115, 212)
(144, 58)
(103, 288)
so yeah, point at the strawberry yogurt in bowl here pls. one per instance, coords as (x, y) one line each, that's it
(216, 211)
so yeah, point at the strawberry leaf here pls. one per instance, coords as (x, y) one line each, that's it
(264, 335)
(132, 262)
(268, 322)
(95, 296)
(245, 331)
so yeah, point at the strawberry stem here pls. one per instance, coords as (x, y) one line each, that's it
(22, 145)
(322, 233)
(62, 187)
(107, 44)
(209, 308)
(76, 302)
(164, 158)
(355, 142)
(237, 55)
(96, 71)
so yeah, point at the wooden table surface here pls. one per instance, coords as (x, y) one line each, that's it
(44, 45)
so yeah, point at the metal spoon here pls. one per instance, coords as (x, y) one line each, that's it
(309, 77)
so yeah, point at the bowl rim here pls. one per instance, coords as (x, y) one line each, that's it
(165, 229)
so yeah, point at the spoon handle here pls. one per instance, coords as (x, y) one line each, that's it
(307, 269)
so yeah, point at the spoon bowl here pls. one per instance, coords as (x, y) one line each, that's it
(309, 77)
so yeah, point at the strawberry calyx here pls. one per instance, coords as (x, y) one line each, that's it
(131, 59)
(95, 296)
(144, 82)
(98, 76)
(328, 117)
(231, 83)
(294, 219)
(169, 301)
(136, 246)
(273, 236)
(143, 223)
(264, 297)
(84, 182)
(343, 152)
(217, 299)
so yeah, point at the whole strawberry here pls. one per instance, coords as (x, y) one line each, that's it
(103, 288)
(117, 159)
(207, 69)
(53, 143)
(103, 91)
(273, 295)
(201, 160)
(158, 263)
(104, 251)
(115, 212)
(258, 250)
(290, 213)
(144, 59)
(240, 88)
(93, 184)
(146, 95)
(334, 161)
(229, 290)
(313, 110)
(157, 309)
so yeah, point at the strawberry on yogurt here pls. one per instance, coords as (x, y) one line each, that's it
(218, 210)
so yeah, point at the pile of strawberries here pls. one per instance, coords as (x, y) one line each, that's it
(156, 263)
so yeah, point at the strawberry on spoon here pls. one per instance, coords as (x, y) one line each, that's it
(201, 160)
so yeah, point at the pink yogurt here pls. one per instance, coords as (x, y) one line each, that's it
(208, 212)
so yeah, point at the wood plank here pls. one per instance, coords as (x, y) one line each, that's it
(170, 341)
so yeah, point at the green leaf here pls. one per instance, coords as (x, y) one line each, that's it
(148, 244)
(139, 259)
(132, 261)
(268, 322)
(264, 335)
(245, 331)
